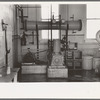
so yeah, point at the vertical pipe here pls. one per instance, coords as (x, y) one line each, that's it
(37, 35)
(48, 33)
(51, 35)
(37, 41)
(6, 47)
(32, 37)
(27, 10)
(16, 11)
(18, 39)
(60, 26)
(67, 36)
(15, 41)
(22, 20)
(51, 28)
(67, 13)
(66, 48)
(25, 25)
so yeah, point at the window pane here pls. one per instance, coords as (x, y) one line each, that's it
(45, 11)
(93, 10)
(55, 10)
(92, 28)
(46, 34)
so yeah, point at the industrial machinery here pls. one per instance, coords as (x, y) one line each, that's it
(56, 66)
(57, 69)
(57, 57)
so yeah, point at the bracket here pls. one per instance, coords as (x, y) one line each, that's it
(4, 25)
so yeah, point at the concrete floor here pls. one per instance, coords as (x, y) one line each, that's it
(73, 76)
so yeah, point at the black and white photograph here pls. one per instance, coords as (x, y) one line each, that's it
(50, 42)
(55, 45)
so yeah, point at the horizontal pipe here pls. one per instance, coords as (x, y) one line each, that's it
(45, 25)
(30, 7)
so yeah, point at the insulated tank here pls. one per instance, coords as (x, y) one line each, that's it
(45, 25)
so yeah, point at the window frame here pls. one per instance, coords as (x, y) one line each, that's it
(90, 40)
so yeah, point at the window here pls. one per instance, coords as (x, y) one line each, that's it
(45, 11)
(93, 20)
(46, 14)
(47, 34)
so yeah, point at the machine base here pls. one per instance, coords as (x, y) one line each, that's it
(57, 73)
(34, 69)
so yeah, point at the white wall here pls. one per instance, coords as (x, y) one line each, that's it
(6, 14)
